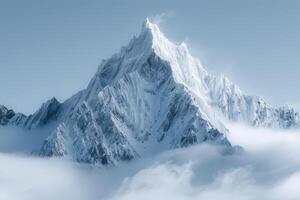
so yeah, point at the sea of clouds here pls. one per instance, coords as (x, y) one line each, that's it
(269, 169)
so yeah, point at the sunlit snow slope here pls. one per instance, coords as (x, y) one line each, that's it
(151, 96)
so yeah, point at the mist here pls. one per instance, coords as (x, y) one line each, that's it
(269, 168)
(21, 141)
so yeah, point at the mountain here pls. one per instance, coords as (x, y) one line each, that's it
(140, 100)
(5, 115)
(9, 117)
(252, 110)
(48, 112)
(151, 96)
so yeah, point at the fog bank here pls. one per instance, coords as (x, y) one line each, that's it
(269, 169)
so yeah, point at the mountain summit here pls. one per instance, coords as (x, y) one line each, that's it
(151, 96)
(148, 97)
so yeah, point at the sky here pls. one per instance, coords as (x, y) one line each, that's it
(53, 48)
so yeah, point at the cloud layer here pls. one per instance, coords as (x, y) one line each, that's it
(269, 169)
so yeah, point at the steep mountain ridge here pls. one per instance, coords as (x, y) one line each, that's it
(151, 96)
(252, 110)
(138, 101)
(9, 117)
(5, 115)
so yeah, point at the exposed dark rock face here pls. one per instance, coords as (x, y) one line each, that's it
(5, 115)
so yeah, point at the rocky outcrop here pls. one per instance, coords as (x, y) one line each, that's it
(5, 115)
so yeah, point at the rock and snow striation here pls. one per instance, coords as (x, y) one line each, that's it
(141, 100)
(151, 96)
(5, 115)
(9, 117)
(252, 110)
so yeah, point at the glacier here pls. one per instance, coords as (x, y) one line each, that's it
(151, 96)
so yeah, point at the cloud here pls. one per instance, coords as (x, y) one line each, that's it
(18, 140)
(269, 169)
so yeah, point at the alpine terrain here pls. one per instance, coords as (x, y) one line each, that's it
(151, 96)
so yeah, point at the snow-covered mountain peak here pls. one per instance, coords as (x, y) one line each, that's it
(154, 33)
(164, 48)
(151, 96)
(185, 69)
(149, 26)
(47, 112)
(151, 42)
(5, 115)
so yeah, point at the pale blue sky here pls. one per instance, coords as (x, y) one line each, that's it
(52, 48)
